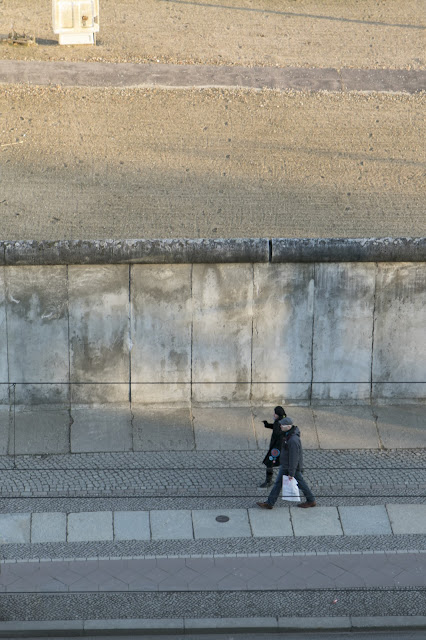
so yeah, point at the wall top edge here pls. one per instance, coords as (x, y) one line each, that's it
(208, 250)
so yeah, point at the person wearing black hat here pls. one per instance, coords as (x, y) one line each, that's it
(291, 465)
(272, 458)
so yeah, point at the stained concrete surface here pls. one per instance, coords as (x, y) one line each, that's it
(346, 428)
(159, 428)
(156, 428)
(101, 428)
(217, 428)
(41, 430)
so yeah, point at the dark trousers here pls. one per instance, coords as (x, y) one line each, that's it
(303, 486)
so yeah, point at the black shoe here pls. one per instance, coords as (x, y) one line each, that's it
(265, 484)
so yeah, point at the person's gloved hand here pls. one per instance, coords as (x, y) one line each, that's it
(265, 422)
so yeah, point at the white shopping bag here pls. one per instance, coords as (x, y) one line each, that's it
(290, 489)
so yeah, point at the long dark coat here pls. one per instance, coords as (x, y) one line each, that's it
(275, 443)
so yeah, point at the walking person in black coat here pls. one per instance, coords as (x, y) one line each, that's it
(291, 465)
(272, 458)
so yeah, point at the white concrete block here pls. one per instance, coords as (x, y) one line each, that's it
(343, 327)
(170, 524)
(88, 526)
(399, 354)
(99, 330)
(317, 521)
(15, 528)
(407, 518)
(161, 317)
(275, 523)
(206, 525)
(222, 327)
(282, 323)
(366, 520)
(37, 324)
(131, 525)
(48, 527)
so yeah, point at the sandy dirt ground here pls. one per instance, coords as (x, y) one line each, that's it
(98, 163)
(305, 33)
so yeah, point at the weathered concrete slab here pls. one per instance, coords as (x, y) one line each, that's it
(367, 520)
(223, 429)
(6, 419)
(4, 374)
(131, 525)
(99, 331)
(48, 527)
(343, 326)
(407, 518)
(171, 524)
(401, 427)
(15, 528)
(102, 393)
(222, 332)
(290, 391)
(40, 429)
(319, 521)
(206, 525)
(161, 325)
(37, 328)
(157, 428)
(399, 351)
(282, 331)
(346, 427)
(101, 428)
(89, 525)
(161, 393)
(275, 523)
(6, 394)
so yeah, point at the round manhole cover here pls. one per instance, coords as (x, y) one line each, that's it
(222, 518)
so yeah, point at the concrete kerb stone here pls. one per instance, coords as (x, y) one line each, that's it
(348, 249)
(137, 251)
(208, 250)
(26, 629)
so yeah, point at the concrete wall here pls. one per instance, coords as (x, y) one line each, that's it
(236, 333)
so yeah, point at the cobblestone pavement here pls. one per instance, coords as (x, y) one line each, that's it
(331, 473)
(409, 601)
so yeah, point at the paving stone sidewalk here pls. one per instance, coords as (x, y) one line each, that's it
(98, 74)
(268, 573)
(200, 524)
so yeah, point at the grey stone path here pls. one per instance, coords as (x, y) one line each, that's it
(268, 573)
(95, 74)
(200, 524)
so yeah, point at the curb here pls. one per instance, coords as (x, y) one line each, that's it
(207, 250)
(188, 626)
